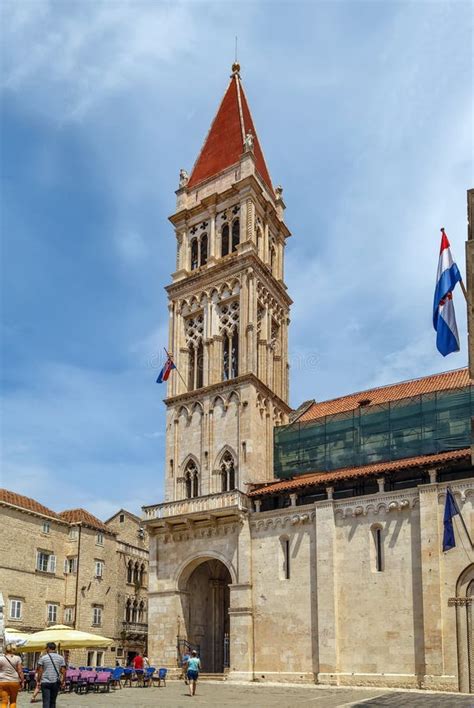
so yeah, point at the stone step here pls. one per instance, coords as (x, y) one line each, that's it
(212, 677)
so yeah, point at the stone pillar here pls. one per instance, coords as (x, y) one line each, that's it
(327, 590)
(212, 236)
(241, 613)
(381, 483)
(266, 243)
(251, 325)
(430, 538)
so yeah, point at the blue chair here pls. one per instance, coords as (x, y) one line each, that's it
(162, 676)
(127, 676)
(116, 677)
(148, 676)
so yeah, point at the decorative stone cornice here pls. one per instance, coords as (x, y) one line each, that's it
(225, 386)
(229, 266)
(289, 519)
(385, 503)
(460, 601)
(196, 532)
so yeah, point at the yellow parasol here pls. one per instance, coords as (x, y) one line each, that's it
(65, 636)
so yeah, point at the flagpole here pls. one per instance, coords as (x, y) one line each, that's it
(461, 282)
(460, 516)
(179, 374)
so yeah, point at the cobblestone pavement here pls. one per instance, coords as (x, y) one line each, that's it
(224, 695)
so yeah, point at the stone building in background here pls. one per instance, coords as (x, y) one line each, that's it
(71, 568)
(296, 545)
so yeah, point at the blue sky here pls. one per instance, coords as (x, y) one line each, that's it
(364, 112)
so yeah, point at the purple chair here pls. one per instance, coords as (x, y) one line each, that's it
(102, 682)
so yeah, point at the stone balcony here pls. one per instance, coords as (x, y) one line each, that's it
(210, 507)
(134, 628)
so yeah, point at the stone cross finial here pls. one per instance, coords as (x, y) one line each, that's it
(183, 178)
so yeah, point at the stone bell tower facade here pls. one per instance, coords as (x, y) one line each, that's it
(228, 313)
(228, 335)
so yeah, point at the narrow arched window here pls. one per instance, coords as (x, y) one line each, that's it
(235, 234)
(199, 365)
(272, 259)
(228, 472)
(130, 572)
(194, 254)
(188, 484)
(225, 240)
(203, 250)
(135, 611)
(286, 553)
(225, 357)
(136, 573)
(377, 550)
(128, 611)
(141, 611)
(191, 480)
(234, 355)
(191, 370)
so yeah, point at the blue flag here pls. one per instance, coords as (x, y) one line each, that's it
(450, 510)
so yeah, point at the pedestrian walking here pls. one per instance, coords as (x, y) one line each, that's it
(11, 677)
(51, 675)
(193, 669)
(184, 667)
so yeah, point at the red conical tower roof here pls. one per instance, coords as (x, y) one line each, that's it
(224, 144)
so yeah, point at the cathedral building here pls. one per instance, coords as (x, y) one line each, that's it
(298, 545)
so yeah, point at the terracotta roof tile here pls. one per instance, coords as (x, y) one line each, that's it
(314, 478)
(392, 392)
(27, 503)
(223, 146)
(74, 516)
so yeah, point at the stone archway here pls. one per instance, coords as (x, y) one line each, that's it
(206, 611)
(465, 629)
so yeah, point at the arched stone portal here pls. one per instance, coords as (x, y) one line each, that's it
(465, 629)
(206, 611)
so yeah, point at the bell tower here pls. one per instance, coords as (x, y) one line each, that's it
(228, 312)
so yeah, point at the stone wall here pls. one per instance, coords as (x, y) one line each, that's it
(336, 618)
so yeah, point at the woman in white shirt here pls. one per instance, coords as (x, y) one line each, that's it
(11, 677)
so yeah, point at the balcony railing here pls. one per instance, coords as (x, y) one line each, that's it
(211, 504)
(135, 627)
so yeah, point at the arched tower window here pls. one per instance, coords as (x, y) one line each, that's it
(259, 241)
(194, 254)
(203, 250)
(235, 234)
(272, 259)
(141, 611)
(227, 468)
(225, 240)
(128, 611)
(229, 328)
(130, 572)
(194, 328)
(199, 365)
(377, 552)
(191, 480)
